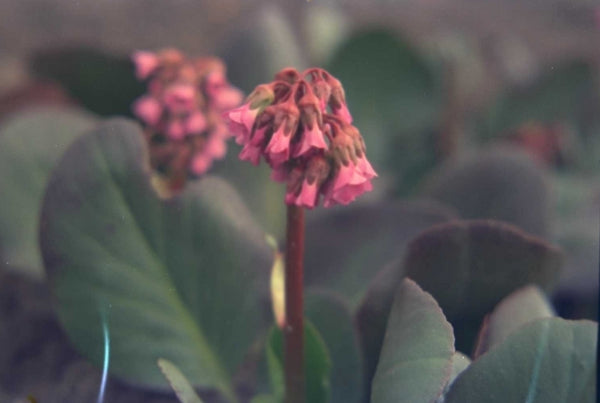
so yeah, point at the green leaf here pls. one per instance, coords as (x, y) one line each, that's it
(102, 83)
(31, 143)
(549, 360)
(369, 236)
(395, 99)
(180, 279)
(560, 94)
(317, 364)
(502, 184)
(332, 318)
(469, 266)
(182, 387)
(416, 359)
(519, 308)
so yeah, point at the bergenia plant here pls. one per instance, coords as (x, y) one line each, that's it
(300, 124)
(181, 112)
(385, 300)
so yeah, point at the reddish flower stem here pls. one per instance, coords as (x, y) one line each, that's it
(294, 311)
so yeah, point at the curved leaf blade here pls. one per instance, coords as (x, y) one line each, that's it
(416, 358)
(549, 360)
(163, 271)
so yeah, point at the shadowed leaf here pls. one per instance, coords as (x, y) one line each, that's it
(469, 266)
(501, 184)
(102, 83)
(31, 143)
(348, 246)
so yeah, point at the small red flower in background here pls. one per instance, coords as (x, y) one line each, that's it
(182, 111)
(301, 126)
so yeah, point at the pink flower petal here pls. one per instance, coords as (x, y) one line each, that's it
(148, 109)
(215, 147)
(308, 196)
(180, 98)
(176, 130)
(250, 153)
(195, 123)
(343, 113)
(311, 139)
(200, 163)
(145, 63)
(240, 121)
(278, 148)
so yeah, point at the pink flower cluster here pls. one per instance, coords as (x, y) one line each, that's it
(301, 125)
(182, 110)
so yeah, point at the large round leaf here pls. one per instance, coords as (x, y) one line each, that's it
(178, 279)
(469, 266)
(346, 247)
(501, 184)
(549, 360)
(416, 359)
(31, 143)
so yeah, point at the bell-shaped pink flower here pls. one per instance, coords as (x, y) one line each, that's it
(278, 149)
(145, 64)
(195, 123)
(241, 120)
(311, 139)
(307, 197)
(251, 153)
(180, 98)
(176, 129)
(148, 109)
(346, 186)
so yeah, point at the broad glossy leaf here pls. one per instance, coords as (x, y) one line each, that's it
(416, 360)
(31, 142)
(102, 83)
(394, 96)
(502, 184)
(516, 310)
(346, 247)
(470, 266)
(180, 279)
(332, 317)
(549, 360)
(317, 364)
(180, 384)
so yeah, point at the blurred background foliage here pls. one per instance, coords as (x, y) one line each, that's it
(469, 109)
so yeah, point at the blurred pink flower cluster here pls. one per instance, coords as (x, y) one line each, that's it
(182, 110)
(301, 125)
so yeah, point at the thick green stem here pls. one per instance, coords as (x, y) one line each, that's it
(294, 312)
